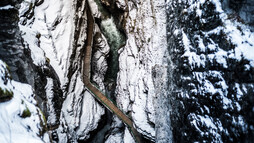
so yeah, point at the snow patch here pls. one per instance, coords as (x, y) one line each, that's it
(14, 128)
(6, 7)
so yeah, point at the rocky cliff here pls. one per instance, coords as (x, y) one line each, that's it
(182, 71)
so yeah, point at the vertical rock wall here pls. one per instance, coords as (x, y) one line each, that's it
(55, 33)
(145, 46)
(21, 119)
(184, 68)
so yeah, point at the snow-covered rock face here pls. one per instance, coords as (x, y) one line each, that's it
(14, 128)
(212, 73)
(99, 62)
(55, 32)
(162, 104)
(10, 43)
(182, 70)
(145, 47)
(21, 120)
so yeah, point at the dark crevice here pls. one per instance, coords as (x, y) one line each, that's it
(112, 59)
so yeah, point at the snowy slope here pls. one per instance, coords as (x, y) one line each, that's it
(16, 126)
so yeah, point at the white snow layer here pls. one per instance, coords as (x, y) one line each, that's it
(243, 40)
(50, 104)
(49, 34)
(13, 127)
(238, 33)
(6, 7)
(144, 49)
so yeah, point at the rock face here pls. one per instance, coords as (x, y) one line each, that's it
(17, 98)
(58, 40)
(163, 106)
(181, 70)
(21, 120)
(11, 44)
(135, 90)
(17, 54)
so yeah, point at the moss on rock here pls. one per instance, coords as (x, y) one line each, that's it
(5, 95)
(26, 113)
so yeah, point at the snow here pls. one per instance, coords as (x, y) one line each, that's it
(49, 36)
(205, 58)
(238, 33)
(127, 137)
(6, 7)
(89, 120)
(213, 127)
(50, 104)
(186, 41)
(114, 139)
(196, 61)
(239, 92)
(218, 6)
(55, 40)
(139, 109)
(143, 50)
(207, 121)
(135, 91)
(37, 53)
(220, 57)
(80, 111)
(242, 39)
(13, 127)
